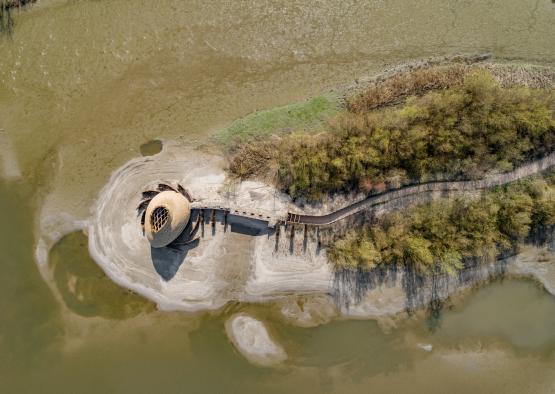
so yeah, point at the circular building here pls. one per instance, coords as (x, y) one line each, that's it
(166, 217)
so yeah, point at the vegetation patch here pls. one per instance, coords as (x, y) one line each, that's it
(461, 132)
(306, 115)
(439, 236)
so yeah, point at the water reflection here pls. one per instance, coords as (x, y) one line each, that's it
(518, 313)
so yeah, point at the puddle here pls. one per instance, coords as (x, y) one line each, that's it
(151, 148)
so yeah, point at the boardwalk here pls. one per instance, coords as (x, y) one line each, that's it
(405, 195)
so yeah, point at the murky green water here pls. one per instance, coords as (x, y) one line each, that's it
(151, 148)
(84, 84)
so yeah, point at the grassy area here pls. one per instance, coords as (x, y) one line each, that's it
(439, 235)
(304, 115)
(467, 126)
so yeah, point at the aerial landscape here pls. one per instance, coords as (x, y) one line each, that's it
(292, 196)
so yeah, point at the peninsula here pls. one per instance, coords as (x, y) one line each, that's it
(432, 173)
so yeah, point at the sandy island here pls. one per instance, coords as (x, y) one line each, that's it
(225, 266)
(236, 266)
(252, 340)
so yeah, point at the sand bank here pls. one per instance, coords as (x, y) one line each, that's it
(252, 340)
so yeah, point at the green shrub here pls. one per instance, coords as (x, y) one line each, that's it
(440, 234)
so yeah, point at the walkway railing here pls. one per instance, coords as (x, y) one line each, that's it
(408, 194)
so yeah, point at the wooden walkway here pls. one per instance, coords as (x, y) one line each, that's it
(408, 194)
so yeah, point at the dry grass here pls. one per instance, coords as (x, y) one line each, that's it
(254, 159)
(415, 83)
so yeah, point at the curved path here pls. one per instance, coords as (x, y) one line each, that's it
(430, 187)
(399, 197)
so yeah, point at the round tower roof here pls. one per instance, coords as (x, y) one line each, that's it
(166, 217)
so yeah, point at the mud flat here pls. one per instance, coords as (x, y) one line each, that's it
(8, 160)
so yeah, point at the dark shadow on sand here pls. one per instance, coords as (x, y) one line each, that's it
(167, 260)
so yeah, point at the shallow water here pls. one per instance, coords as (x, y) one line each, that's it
(151, 148)
(83, 85)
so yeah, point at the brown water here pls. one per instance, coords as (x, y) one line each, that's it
(83, 84)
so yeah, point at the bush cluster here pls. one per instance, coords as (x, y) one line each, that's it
(441, 234)
(456, 133)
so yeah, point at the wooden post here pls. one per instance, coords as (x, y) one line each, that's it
(278, 229)
(201, 213)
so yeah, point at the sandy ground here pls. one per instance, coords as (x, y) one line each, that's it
(225, 266)
(537, 263)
